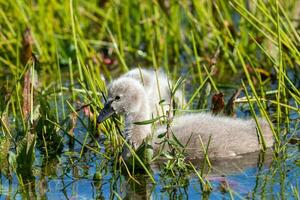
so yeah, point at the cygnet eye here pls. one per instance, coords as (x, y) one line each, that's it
(117, 97)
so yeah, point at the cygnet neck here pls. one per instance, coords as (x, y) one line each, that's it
(135, 134)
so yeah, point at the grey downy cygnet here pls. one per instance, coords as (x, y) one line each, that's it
(229, 136)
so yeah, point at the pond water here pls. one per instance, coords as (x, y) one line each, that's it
(65, 180)
(70, 176)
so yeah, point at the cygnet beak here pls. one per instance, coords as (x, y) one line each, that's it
(106, 112)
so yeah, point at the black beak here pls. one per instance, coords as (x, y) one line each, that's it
(106, 112)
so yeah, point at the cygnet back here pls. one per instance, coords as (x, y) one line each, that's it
(157, 88)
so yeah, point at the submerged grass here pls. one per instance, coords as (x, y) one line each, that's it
(76, 47)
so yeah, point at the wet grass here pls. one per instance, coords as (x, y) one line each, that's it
(57, 58)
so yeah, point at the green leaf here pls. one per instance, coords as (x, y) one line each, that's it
(177, 141)
(177, 84)
(167, 155)
(162, 135)
(150, 121)
(161, 101)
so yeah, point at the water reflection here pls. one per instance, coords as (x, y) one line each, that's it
(255, 176)
(187, 185)
(141, 190)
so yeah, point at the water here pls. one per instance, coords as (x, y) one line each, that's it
(69, 176)
(75, 182)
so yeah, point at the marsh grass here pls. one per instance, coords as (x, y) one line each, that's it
(77, 47)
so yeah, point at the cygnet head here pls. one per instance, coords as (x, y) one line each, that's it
(125, 96)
